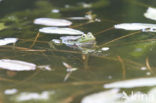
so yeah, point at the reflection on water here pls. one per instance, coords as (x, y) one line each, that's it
(118, 56)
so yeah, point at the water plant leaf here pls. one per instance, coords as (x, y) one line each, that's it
(57, 30)
(52, 22)
(144, 27)
(141, 82)
(150, 13)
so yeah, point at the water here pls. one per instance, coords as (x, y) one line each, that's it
(122, 61)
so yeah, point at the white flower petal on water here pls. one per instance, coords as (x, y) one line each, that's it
(52, 22)
(141, 82)
(150, 13)
(16, 65)
(45, 67)
(6, 41)
(56, 41)
(110, 96)
(57, 30)
(10, 91)
(137, 26)
(78, 18)
(27, 96)
(55, 11)
(105, 48)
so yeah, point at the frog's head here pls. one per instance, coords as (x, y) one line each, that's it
(86, 38)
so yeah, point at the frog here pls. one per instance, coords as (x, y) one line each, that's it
(83, 42)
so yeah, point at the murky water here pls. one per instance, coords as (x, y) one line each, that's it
(126, 58)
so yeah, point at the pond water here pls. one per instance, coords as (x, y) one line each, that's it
(126, 54)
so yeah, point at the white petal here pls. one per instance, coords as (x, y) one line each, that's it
(57, 30)
(78, 18)
(16, 65)
(56, 41)
(52, 22)
(105, 48)
(141, 82)
(110, 96)
(55, 11)
(6, 41)
(27, 96)
(10, 91)
(150, 13)
(137, 26)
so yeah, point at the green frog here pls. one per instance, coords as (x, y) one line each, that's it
(85, 41)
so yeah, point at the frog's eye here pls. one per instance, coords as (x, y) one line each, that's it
(84, 35)
(90, 34)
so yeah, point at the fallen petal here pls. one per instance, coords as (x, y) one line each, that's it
(52, 22)
(150, 13)
(78, 18)
(57, 30)
(137, 26)
(6, 41)
(110, 96)
(141, 82)
(16, 65)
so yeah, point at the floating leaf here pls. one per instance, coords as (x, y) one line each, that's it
(52, 22)
(6, 41)
(137, 26)
(150, 13)
(141, 82)
(57, 30)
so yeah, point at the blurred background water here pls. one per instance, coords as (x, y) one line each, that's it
(124, 59)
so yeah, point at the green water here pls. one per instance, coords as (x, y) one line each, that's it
(93, 71)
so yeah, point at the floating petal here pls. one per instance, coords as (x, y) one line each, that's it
(10, 91)
(78, 18)
(150, 13)
(16, 65)
(141, 82)
(6, 41)
(27, 96)
(110, 96)
(56, 41)
(55, 11)
(105, 48)
(137, 26)
(57, 30)
(52, 22)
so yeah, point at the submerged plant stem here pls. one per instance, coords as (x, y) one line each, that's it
(110, 28)
(122, 66)
(109, 42)
(37, 36)
(148, 65)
